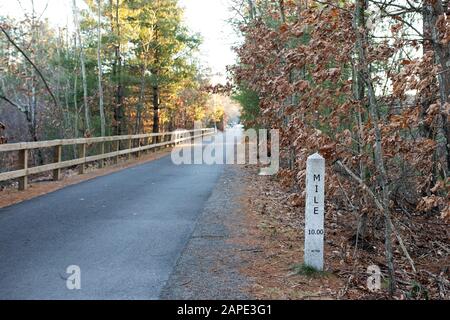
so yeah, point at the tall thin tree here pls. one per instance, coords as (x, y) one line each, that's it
(87, 113)
(100, 71)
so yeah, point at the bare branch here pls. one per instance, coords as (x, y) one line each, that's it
(32, 63)
(11, 102)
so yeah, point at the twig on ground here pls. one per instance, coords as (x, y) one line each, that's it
(345, 289)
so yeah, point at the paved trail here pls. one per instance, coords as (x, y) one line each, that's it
(125, 231)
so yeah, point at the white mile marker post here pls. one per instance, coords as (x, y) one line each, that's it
(314, 211)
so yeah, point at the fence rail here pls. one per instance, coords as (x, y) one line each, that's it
(143, 144)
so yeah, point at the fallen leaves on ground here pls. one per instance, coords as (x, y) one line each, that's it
(274, 228)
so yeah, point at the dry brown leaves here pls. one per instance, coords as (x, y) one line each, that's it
(275, 221)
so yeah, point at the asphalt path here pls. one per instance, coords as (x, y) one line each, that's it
(125, 231)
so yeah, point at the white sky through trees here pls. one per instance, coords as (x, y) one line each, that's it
(206, 17)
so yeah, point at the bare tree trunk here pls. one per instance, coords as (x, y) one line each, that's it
(251, 9)
(155, 108)
(75, 103)
(139, 107)
(299, 8)
(425, 94)
(359, 93)
(362, 44)
(32, 111)
(75, 93)
(59, 88)
(282, 10)
(68, 119)
(87, 115)
(100, 72)
(118, 111)
(155, 87)
(432, 12)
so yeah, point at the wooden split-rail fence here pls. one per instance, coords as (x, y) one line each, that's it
(134, 144)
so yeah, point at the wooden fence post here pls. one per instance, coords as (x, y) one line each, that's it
(102, 151)
(117, 150)
(139, 145)
(23, 163)
(57, 158)
(156, 140)
(82, 156)
(130, 146)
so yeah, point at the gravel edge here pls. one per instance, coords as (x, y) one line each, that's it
(208, 268)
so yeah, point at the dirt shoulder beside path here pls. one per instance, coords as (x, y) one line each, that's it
(209, 267)
(273, 229)
(43, 184)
